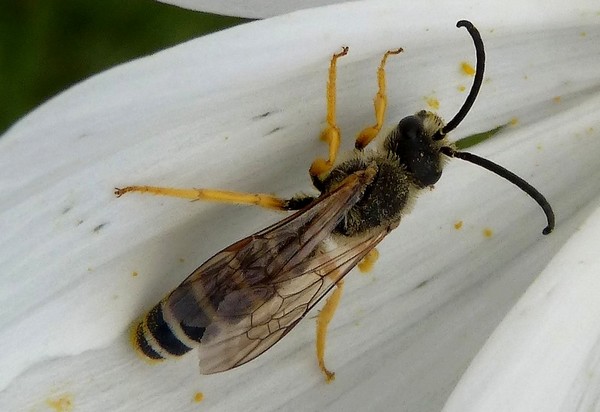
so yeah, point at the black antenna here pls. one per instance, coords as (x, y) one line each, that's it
(480, 53)
(511, 177)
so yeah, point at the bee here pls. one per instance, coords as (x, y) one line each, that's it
(248, 296)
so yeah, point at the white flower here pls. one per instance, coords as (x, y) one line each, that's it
(241, 110)
(249, 8)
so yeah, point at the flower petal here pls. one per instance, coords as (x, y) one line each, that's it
(252, 9)
(543, 354)
(240, 110)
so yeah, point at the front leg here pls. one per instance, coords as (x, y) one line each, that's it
(331, 133)
(380, 101)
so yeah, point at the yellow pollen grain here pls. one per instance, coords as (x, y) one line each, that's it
(514, 121)
(487, 232)
(467, 69)
(458, 224)
(198, 397)
(134, 273)
(556, 99)
(462, 88)
(64, 403)
(432, 102)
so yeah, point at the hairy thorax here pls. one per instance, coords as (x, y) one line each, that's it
(384, 199)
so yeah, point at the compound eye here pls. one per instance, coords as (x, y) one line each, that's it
(411, 128)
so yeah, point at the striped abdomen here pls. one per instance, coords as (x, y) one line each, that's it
(171, 328)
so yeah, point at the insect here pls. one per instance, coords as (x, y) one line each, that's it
(245, 298)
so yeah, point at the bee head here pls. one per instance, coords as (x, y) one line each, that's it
(418, 141)
(413, 143)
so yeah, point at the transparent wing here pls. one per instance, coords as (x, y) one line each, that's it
(283, 304)
(248, 296)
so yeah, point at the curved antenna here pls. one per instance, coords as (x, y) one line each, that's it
(480, 53)
(511, 177)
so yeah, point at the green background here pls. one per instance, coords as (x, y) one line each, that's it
(48, 45)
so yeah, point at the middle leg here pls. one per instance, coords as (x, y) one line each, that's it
(323, 320)
(223, 196)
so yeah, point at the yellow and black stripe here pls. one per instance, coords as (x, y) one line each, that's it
(172, 328)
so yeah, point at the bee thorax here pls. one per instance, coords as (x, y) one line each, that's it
(383, 200)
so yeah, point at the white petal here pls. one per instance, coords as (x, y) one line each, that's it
(544, 354)
(250, 8)
(194, 115)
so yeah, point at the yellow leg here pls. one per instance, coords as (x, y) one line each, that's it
(331, 133)
(223, 196)
(323, 320)
(366, 265)
(367, 135)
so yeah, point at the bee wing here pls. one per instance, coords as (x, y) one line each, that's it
(226, 302)
(229, 342)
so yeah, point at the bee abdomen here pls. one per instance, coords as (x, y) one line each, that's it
(159, 335)
(142, 344)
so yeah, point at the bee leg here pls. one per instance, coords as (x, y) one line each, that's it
(223, 196)
(368, 134)
(366, 265)
(325, 316)
(331, 133)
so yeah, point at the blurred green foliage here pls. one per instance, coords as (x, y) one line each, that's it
(48, 45)
(477, 138)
